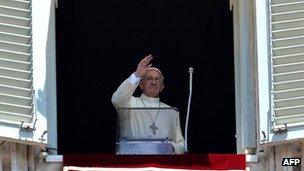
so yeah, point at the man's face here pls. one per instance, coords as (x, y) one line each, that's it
(152, 83)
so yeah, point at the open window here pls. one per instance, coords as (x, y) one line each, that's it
(27, 72)
(280, 65)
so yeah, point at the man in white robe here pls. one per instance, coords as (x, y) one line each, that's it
(146, 123)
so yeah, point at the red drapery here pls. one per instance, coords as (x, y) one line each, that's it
(188, 161)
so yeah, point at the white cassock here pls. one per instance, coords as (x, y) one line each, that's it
(137, 123)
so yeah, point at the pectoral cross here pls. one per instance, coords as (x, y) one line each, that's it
(154, 128)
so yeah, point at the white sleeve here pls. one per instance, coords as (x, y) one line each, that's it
(123, 94)
(133, 79)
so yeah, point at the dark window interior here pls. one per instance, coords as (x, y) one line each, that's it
(99, 44)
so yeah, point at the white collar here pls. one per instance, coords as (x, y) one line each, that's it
(149, 99)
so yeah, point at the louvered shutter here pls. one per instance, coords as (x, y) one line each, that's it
(16, 87)
(287, 54)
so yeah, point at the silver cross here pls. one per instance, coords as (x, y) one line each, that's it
(154, 128)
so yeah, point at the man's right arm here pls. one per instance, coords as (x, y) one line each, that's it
(123, 94)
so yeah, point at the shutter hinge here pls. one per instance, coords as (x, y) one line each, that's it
(280, 130)
(42, 139)
(28, 127)
(264, 140)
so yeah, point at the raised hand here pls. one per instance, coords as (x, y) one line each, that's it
(143, 66)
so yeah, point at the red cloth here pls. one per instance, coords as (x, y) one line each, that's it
(188, 161)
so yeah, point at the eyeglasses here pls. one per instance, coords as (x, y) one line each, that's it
(151, 79)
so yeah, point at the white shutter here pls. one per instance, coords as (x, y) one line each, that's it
(16, 83)
(287, 54)
(28, 72)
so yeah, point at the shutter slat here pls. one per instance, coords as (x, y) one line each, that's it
(285, 59)
(13, 64)
(12, 108)
(294, 84)
(286, 7)
(18, 21)
(292, 93)
(17, 100)
(17, 56)
(17, 91)
(296, 49)
(295, 110)
(287, 42)
(287, 24)
(286, 33)
(14, 11)
(295, 101)
(290, 15)
(14, 38)
(15, 4)
(15, 73)
(289, 76)
(17, 117)
(23, 48)
(15, 82)
(275, 2)
(291, 102)
(291, 67)
(299, 119)
(13, 29)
